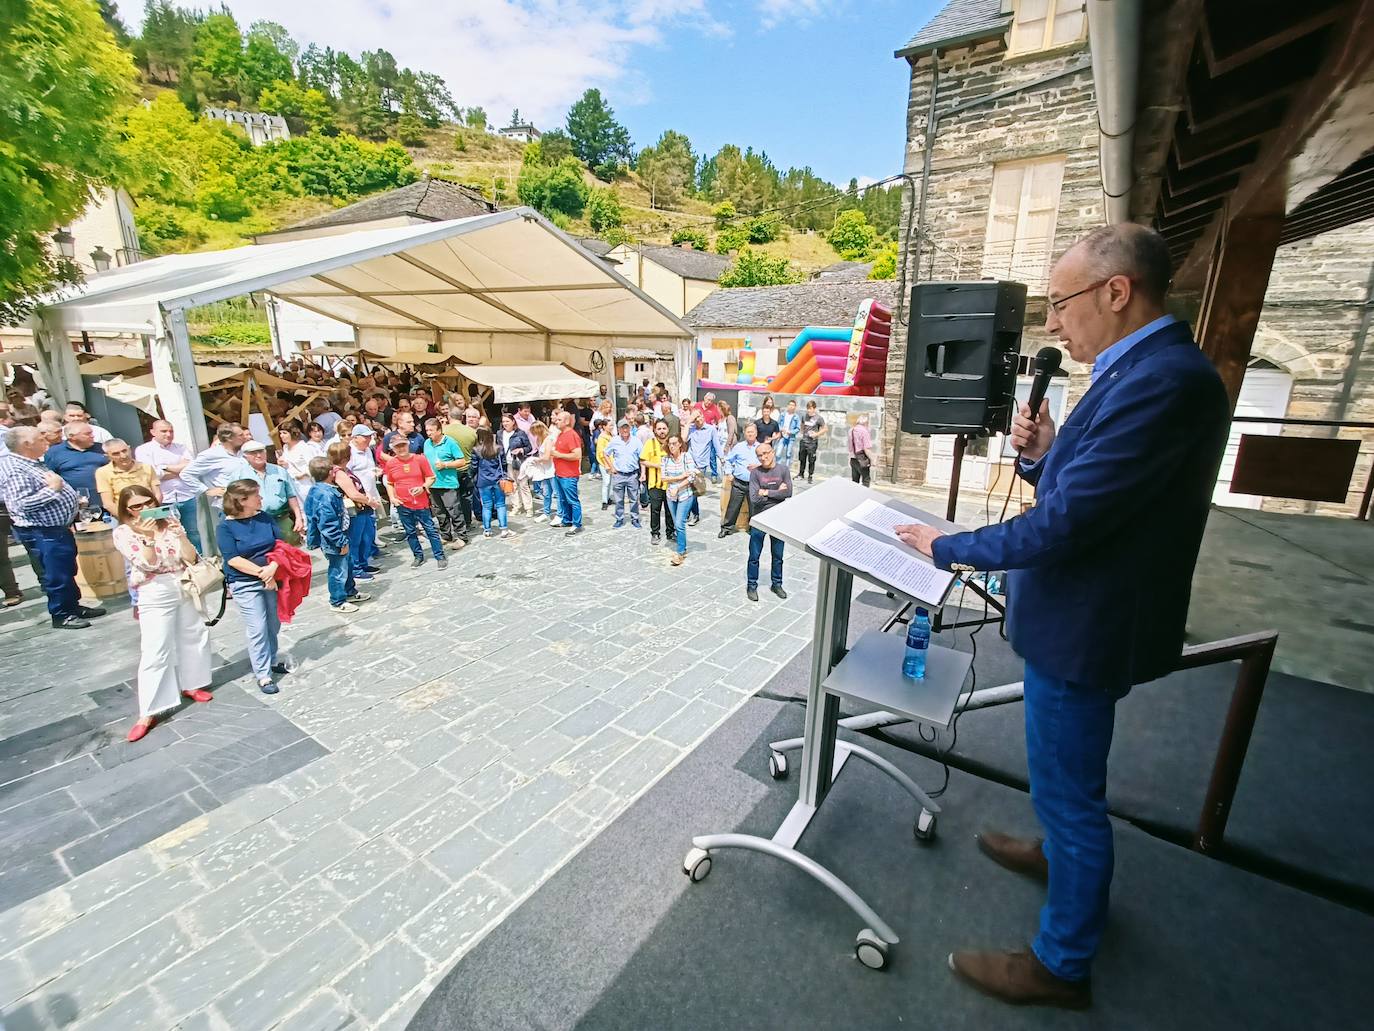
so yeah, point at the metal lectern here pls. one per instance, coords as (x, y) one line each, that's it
(871, 674)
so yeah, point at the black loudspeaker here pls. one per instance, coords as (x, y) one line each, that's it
(963, 345)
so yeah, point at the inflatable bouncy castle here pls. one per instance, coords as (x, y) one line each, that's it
(830, 359)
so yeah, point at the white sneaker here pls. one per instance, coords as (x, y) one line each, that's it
(540, 517)
(507, 533)
(359, 596)
(347, 606)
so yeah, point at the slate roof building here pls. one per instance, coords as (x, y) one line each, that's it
(676, 277)
(844, 272)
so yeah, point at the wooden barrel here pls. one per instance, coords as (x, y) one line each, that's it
(742, 520)
(100, 568)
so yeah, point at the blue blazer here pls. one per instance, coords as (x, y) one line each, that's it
(1104, 561)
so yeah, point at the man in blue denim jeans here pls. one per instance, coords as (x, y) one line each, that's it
(1100, 572)
(408, 479)
(327, 529)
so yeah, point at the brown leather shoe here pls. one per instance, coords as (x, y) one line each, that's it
(1020, 855)
(1020, 979)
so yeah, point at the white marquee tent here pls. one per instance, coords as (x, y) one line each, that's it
(506, 288)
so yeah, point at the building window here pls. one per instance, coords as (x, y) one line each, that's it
(1044, 24)
(1021, 220)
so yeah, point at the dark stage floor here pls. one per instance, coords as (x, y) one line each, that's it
(620, 939)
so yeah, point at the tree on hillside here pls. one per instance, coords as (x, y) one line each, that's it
(514, 116)
(885, 262)
(475, 117)
(109, 14)
(597, 138)
(692, 235)
(164, 48)
(410, 131)
(723, 213)
(603, 210)
(747, 178)
(316, 68)
(851, 235)
(751, 268)
(217, 54)
(667, 169)
(555, 146)
(264, 61)
(552, 189)
(63, 78)
(304, 109)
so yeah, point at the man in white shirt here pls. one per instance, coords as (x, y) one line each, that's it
(167, 459)
(76, 413)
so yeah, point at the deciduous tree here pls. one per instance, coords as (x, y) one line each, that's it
(62, 80)
(752, 268)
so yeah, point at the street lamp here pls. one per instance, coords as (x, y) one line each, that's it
(66, 244)
(100, 258)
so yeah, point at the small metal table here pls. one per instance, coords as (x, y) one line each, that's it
(869, 674)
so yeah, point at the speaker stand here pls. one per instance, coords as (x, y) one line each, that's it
(960, 443)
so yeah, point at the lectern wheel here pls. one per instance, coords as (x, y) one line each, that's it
(697, 864)
(777, 766)
(924, 828)
(870, 950)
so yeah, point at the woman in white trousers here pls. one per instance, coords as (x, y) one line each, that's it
(174, 655)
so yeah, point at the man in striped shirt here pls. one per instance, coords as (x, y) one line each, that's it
(43, 507)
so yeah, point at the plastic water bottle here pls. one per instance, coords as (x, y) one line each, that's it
(917, 644)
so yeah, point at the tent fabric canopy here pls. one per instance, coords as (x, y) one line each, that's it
(504, 272)
(111, 364)
(141, 391)
(19, 356)
(535, 381)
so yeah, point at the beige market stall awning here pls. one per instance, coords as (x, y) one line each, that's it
(19, 356)
(111, 365)
(141, 391)
(536, 381)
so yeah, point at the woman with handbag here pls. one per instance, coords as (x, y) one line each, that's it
(493, 482)
(174, 644)
(677, 476)
(516, 446)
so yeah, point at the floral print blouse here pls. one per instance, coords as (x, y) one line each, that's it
(148, 559)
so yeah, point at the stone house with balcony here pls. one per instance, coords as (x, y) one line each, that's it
(1002, 154)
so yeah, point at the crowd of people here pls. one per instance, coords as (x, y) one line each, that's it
(356, 464)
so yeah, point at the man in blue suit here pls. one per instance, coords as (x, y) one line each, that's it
(1103, 569)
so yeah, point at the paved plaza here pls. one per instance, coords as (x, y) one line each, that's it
(321, 858)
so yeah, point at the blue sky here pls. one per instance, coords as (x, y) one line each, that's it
(811, 82)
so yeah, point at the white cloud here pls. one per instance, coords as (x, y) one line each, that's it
(537, 55)
(775, 12)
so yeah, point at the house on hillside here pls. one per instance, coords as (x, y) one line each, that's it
(522, 131)
(259, 128)
(1014, 179)
(766, 319)
(427, 200)
(678, 278)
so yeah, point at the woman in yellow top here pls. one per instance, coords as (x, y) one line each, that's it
(603, 437)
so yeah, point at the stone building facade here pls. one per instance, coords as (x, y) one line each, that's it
(1007, 111)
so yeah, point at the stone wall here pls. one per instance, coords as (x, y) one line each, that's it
(1318, 326)
(1039, 119)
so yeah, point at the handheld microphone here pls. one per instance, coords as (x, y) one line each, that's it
(1047, 362)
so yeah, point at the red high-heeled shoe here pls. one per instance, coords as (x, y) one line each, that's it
(137, 731)
(198, 695)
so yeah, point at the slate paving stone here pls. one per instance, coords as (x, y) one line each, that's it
(423, 767)
(19, 883)
(373, 984)
(128, 834)
(457, 917)
(257, 1001)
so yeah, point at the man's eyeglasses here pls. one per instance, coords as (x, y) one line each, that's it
(1058, 305)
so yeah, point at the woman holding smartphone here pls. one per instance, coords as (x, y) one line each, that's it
(174, 654)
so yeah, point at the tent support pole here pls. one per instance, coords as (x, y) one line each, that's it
(548, 346)
(172, 355)
(57, 363)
